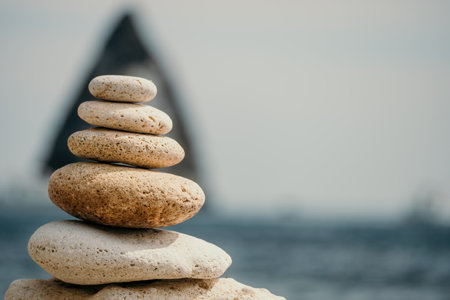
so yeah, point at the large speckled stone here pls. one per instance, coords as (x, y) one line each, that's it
(137, 149)
(81, 253)
(182, 289)
(122, 88)
(125, 116)
(124, 196)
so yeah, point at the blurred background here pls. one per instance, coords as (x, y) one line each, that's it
(319, 131)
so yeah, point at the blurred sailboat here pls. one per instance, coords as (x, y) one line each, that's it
(127, 53)
(429, 208)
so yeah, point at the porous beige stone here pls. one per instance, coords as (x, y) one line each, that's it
(125, 116)
(181, 289)
(137, 149)
(84, 253)
(124, 196)
(122, 88)
(51, 289)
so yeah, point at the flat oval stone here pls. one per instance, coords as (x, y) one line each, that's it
(122, 88)
(124, 196)
(81, 253)
(142, 150)
(186, 289)
(125, 116)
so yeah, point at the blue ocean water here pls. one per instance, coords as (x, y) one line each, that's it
(294, 259)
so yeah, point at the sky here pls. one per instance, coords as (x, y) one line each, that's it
(322, 108)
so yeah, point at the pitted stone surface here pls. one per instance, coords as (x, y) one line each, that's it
(81, 253)
(124, 196)
(137, 149)
(131, 117)
(122, 88)
(185, 289)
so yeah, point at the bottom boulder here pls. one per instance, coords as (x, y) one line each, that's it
(199, 289)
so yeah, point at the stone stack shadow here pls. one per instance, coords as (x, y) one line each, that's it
(115, 252)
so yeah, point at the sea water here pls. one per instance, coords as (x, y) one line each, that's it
(298, 260)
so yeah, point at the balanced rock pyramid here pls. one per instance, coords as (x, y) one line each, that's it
(115, 252)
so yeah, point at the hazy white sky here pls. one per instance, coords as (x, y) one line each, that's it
(322, 107)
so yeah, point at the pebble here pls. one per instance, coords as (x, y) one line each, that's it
(186, 289)
(124, 196)
(81, 253)
(137, 149)
(131, 117)
(122, 88)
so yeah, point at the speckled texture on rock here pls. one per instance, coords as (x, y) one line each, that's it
(125, 116)
(137, 149)
(84, 253)
(124, 196)
(122, 88)
(52, 289)
(181, 289)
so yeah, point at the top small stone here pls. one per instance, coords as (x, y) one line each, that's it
(122, 88)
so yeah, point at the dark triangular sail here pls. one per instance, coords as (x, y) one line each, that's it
(124, 53)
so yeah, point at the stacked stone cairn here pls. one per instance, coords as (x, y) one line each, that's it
(115, 252)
